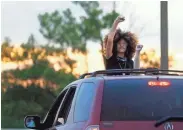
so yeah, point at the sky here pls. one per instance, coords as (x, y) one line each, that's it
(19, 20)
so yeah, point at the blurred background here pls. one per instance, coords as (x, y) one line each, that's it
(47, 45)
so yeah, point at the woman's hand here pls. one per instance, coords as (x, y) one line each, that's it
(114, 27)
(117, 21)
(139, 48)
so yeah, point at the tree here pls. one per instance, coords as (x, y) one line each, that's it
(151, 60)
(7, 40)
(26, 101)
(64, 29)
(32, 90)
(31, 40)
(95, 22)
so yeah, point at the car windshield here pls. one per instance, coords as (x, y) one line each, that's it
(134, 99)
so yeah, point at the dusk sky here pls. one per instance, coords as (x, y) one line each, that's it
(19, 20)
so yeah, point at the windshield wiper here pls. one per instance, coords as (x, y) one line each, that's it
(168, 118)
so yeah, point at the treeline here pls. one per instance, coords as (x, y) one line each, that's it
(32, 89)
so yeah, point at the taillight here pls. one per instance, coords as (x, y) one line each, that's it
(93, 127)
(159, 83)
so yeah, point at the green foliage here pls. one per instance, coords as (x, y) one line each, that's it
(59, 30)
(34, 72)
(64, 29)
(91, 24)
(109, 18)
(17, 102)
(31, 40)
(7, 40)
(13, 122)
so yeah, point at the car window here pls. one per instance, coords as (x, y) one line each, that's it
(131, 99)
(84, 102)
(66, 106)
(50, 117)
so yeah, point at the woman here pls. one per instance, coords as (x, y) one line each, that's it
(120, 48)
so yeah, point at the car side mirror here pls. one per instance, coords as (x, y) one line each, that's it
(32, 122)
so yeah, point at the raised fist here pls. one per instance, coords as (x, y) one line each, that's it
(119, 19)
(139, 47)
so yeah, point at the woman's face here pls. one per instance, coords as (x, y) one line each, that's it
(121, 46)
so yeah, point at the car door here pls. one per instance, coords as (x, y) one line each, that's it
(48, 121)
(60, 121)
(75, 117)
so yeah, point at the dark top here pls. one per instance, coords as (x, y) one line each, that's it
(114, 63)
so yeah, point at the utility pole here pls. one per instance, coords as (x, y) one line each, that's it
(114, 6)
(164, 34)
(114, 9)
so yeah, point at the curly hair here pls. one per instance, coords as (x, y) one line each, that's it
(131, 40)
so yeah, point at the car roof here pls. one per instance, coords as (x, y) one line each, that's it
(134, 73)
(99, 78)
(142, 77)
(100, 75)
(118, 77)
(77, 82)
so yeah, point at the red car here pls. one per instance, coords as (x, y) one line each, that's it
(142, 100)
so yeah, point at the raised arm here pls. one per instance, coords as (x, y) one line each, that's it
(108, 41)
(137, 56)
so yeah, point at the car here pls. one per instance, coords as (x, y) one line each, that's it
(145, 99)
